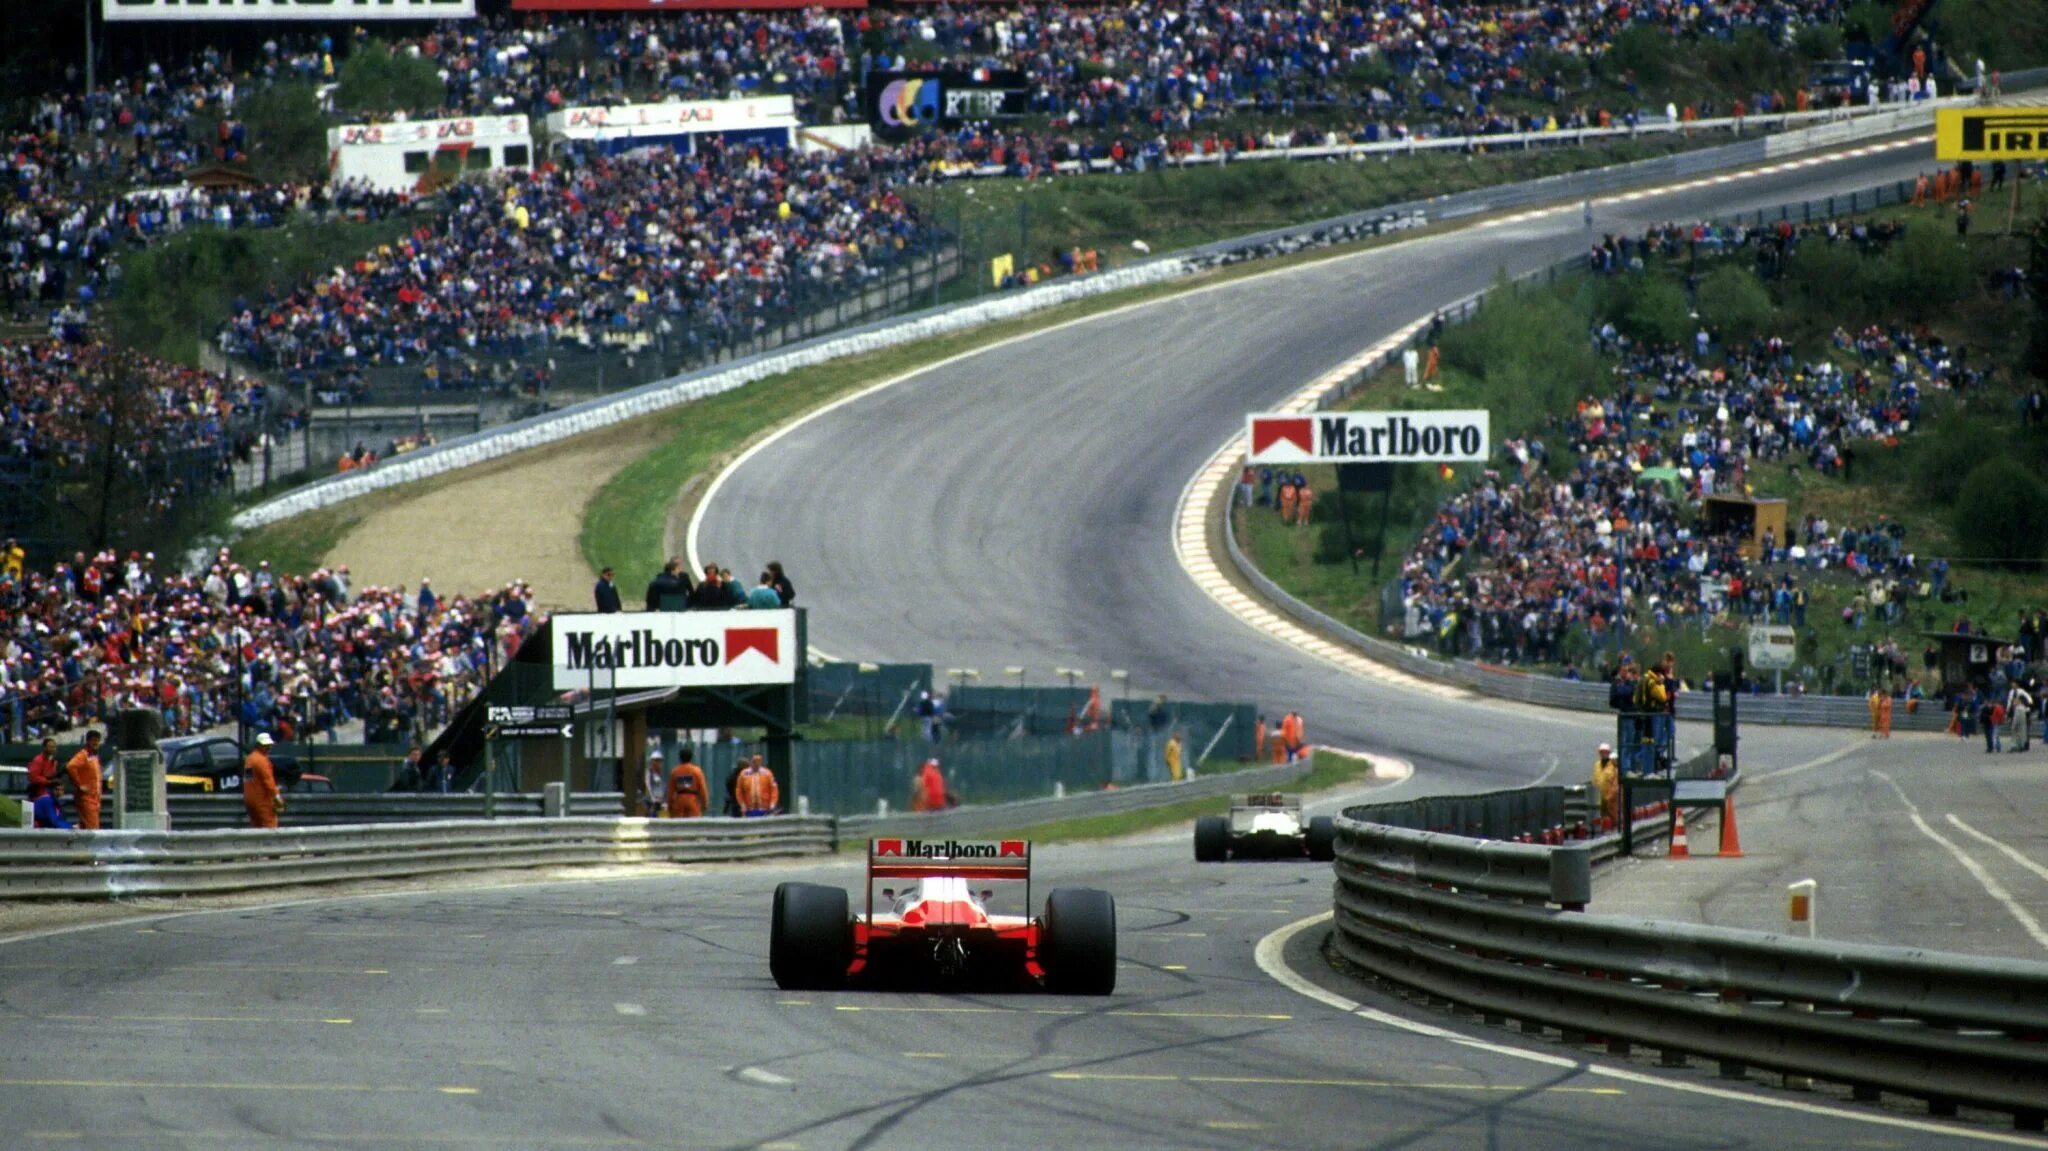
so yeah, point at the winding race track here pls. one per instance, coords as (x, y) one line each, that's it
(1013, 507)
(1016, 507)
(639, 1013)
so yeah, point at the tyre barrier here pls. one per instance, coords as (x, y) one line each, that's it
(1488, 925)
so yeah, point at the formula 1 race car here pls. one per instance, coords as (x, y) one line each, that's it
(1267, 826)
(938, 929)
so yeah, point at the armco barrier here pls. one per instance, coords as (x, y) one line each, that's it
(495, 443)
(1468, 921)
(217, 812)
(110, 864)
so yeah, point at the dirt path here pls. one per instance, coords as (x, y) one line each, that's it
(517, 518)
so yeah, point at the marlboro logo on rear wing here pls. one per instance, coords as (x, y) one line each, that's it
(921, 858)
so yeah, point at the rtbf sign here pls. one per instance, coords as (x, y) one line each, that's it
(674, 649)
(1368, 437)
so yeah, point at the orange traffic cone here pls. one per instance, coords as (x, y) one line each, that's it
(1731, 843)
(1678, 849)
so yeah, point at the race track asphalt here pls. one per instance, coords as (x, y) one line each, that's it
(1014, 508)
(640, 1013)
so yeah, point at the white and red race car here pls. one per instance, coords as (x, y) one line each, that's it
(938, 928)
(1265, 826)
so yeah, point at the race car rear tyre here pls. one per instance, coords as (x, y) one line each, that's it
(1212, 839)
(1322, 839)
(810, 937)
(1077, 942)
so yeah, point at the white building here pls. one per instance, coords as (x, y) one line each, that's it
(766, 120)
(414, 154)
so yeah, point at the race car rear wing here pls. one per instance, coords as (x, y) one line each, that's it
(934, 858)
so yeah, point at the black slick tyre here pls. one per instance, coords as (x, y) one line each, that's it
(1322, 839)
(1212, 839)
(810, 937)
(1077, 942)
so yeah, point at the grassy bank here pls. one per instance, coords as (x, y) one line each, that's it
(1527, 359)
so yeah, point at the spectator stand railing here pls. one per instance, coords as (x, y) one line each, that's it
(547, 428)
(1429, 899)
(1548, 690)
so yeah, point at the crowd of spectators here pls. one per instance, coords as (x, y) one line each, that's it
(605, 251)
(1537, 549)
(172, 428)
(292, 655)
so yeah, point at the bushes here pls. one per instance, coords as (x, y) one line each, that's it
(1945, 455)
(1735, 304)
(287, 133)
(1930, 271)
(1530, 352)
(1653, 308)
(375, 79)
(2001, 513)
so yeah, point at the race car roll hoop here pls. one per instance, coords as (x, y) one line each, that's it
(940, 929)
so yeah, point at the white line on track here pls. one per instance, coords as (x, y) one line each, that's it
(2009, 852)
(1271, 960)
(1977, 870)
(625, 961)
(629, 1009)
(763, 1076)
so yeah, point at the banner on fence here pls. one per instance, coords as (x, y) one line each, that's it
(1368, 437)
(1991, 134)
(898, 103)
(253, 11)
(639, 650)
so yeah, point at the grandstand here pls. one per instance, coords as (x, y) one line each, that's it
(499, 278)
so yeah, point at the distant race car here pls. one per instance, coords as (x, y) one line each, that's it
(939, 929)
(1267, 826)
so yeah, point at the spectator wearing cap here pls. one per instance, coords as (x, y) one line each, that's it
(259, 784)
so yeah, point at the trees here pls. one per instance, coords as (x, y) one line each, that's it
(374, 79)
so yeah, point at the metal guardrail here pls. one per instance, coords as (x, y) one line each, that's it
(116, 864)
(1467, 920)
(1010, 816)
(219, 812)
(110, 864)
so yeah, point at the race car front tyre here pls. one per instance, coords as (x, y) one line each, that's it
(1322, 839)
(1077, 942)
(1212, 839)
(810, 937)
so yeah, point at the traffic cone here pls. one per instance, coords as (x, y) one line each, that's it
(1678, 849)
(1731, 843)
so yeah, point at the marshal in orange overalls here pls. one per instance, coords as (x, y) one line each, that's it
(84, 770)
(686, 790)
(259, 789)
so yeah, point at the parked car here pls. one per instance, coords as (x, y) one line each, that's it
(213, 763)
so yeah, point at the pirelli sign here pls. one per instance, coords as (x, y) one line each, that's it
(1984, 134)
(265, 10)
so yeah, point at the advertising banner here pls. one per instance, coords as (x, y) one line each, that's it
(1985, 134)
(264, 10)
(638, 650)
(1368, 437)
(899, 103)
(687, 116)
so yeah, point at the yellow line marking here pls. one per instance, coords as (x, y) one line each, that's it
(471, 1090)
(1282, 1081)
(792, 1003)
(1175, 967)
